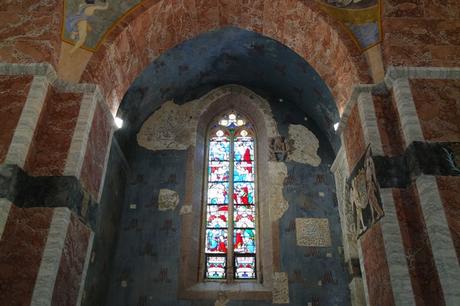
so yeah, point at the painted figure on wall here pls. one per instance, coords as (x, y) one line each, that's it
(364, 195)
(79, 24)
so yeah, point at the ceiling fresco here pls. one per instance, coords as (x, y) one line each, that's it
(87, 22)
(361, 18)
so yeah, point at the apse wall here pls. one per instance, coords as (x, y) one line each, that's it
(146, 269)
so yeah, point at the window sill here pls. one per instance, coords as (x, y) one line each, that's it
(235, 291)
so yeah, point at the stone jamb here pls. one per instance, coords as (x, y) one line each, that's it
(85, 268)
(440, 237)
(410, 123)
(49, 266)
(5, 206)
(369, 123)
(24, 132)
(77, 150)
(363, 273)
(394, 249)
(106, 160)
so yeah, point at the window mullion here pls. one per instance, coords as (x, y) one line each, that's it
(230, 262)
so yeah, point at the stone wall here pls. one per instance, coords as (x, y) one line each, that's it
(117, 62)
(43, 255)
(421, 33)
(30, 31)
(149, 257)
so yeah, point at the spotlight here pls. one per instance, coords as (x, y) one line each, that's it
(118, 122)
(336, 126)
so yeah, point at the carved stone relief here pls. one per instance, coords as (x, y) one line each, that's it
(303, 145)
(280, 288)
(313, 232)
(365, 195)
(277, 174)
(279, 149)
(167, 199)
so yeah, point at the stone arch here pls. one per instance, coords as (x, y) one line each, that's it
(157, 26)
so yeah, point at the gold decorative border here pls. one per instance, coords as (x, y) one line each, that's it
(342, 15)
(356, 16)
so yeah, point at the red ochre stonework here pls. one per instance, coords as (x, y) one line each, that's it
(438, 108)
(321, 41)
(53, 135)
(417, 247)
(98, 142)
(21, 250)
(389, 125)
(22, 42)
(72, 263)
(421, 33)
(448, 189)
(354, 138)
(376, 267)
(14, 91)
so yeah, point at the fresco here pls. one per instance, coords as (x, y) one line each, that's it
(87, 21)
(360, 17)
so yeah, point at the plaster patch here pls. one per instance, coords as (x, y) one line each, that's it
(313, 232)
(167, 199)
(278, 173)
(280, 288)
(185, 210)
(304, 145)
(174, 127)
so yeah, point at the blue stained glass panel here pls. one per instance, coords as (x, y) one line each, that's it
(245, 267)
(244, 241)
(217, 216)
(244, 216)
(217, 193)
(218, 171)
(243, 193)
(219, 150)
(243, 172)
(216, 241)
(244, 150)
(215, 267)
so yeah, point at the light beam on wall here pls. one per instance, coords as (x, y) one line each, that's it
(118, 122)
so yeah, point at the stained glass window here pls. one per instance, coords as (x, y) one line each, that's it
(230, 242)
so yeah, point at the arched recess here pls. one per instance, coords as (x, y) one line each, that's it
(157, 26)
(257, 110)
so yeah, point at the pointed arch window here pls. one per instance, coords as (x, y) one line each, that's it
(230, 219)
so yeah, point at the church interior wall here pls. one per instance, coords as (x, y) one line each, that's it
(67, 181)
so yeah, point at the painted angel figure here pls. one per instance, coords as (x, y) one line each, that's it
(78, 25)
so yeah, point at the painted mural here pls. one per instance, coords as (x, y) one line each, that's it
(360, 17)
(87, 22)
(365, 194)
